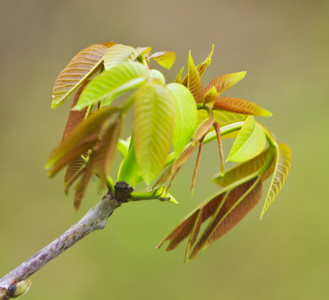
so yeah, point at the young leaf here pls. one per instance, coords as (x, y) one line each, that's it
(223, 82)
(102, 156)
(194, 83)
(240, 106)
(250, 142)
(282, 166)
(201, 67)
(80, 139)
(121, 53)
(204, 65)
(75, 117)
(185, 116)
(164, 58)
(210, 96)
(129, 170)
(227, 208)
(178, 78)
(153, 128)
(155, 74)
(113, 83)
(239, 202)
(81, 67)
(242, 170)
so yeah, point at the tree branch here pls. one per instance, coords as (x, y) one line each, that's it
(15, 284)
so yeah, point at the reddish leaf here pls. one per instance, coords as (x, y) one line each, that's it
(223, 82)
(80, 139)
(227, 208)
(101, 158)
(239, 202)
(75, 117)
(220, 147)
(81, 67)
(240, 106)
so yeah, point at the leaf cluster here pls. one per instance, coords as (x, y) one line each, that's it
(170, 122)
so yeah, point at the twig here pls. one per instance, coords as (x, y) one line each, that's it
(15, 284)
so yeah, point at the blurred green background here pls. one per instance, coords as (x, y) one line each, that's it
(284, 47)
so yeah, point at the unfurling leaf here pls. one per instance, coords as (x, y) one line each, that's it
(153, 128)
(185, 116)
(227, 209)
(240, 106)
(250, 142)
(81, 67)
(223, 82)
(113, 83)
(211, 95)
(201, 67)
(194, 83)
(164, 58)
(281, 170)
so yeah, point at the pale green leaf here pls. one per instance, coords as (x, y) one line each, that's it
(129, 170)
(80, 68)
(113, 83)
(250, 142)
(153, 128)
(118, 54)
(185, 116)
(155, 74)
(164, 58)
(281, 170)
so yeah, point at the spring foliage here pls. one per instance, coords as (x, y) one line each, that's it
(170, 122)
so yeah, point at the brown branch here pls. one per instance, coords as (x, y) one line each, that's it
(15, 284)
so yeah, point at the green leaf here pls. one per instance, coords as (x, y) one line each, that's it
(194, 83)
(80, 68)
(113, 83)
(80, 139)
(129, 170)
(118, 54)
(281, 170)
(185, 116)
(201, 67)
(240, 106)
(155, 74)
(223, 82)
(242, 170)
(250, 142)
(178, 78)
(153, 128)
(204, 65)
(211, 95)
(164, 58)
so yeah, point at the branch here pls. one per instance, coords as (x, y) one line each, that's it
(15, 284)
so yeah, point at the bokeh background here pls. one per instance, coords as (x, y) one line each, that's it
(282, 44)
